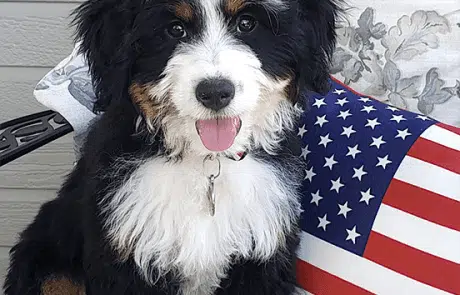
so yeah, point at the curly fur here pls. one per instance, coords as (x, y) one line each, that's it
(132, 217)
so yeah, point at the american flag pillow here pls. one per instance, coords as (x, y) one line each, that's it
(381, 199)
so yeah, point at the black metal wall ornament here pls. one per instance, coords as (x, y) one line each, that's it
(25, 134)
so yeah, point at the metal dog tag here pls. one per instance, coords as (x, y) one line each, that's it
(211, 195)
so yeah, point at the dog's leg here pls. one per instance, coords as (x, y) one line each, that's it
(108, 276)
(274, 277)
(47, 256)
(271, 278)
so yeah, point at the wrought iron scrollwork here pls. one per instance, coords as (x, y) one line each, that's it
(23, 135)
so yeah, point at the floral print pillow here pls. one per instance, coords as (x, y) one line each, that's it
(405, 55)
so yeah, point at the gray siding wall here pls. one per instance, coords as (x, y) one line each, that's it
(34, 36)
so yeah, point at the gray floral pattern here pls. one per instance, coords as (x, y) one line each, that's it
(68, 89)
(376, 50)
(74, 71)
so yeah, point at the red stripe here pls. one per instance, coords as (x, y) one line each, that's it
(319, 282)
(413, 263)
(450, 128)
(423, 203)
(436, 154)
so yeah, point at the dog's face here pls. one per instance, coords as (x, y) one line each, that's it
(213, 75)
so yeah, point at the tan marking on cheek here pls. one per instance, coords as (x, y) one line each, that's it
(233, 6)
(151, 109)
(291, 90)
(140, 96)
(62, 286)
(184, 11)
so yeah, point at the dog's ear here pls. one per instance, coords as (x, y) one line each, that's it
(104, 28)
(317, 25)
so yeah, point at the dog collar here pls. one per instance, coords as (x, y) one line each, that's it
(238, 156)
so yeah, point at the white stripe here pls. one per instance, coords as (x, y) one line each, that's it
(300, 291)
(418, 233)
(442, 136)
(358, 270)
(429, 177)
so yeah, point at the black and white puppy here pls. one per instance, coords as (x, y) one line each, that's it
(189, 182)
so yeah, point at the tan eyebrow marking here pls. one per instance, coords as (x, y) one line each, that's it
(233, 6)
(184, 11)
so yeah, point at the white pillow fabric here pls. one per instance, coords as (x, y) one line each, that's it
(405, 53)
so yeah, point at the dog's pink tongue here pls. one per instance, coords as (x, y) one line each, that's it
(218, 134)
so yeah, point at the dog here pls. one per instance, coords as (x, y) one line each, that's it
(189, 183)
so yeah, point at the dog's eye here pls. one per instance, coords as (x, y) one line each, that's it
(176, 30)
(246, 23)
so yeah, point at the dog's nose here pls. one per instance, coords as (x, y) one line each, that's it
(215, 94)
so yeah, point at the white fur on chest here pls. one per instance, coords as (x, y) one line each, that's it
(161, 216)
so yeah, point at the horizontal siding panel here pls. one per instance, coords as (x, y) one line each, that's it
(44, 168)
(35, 34)
(18, 207)
(4, 259)
(16, 91)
